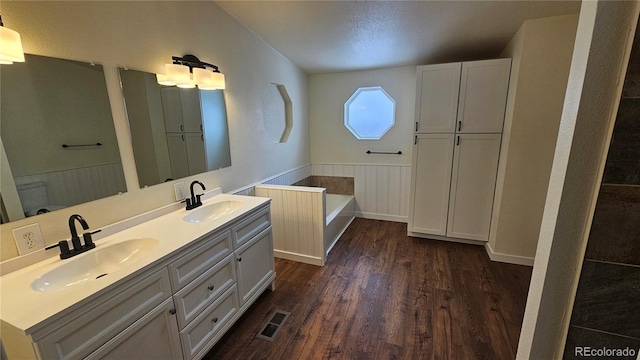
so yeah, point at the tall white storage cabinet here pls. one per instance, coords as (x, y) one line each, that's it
(460, 111)
(185, 134)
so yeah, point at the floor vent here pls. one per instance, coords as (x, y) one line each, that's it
(271, 328)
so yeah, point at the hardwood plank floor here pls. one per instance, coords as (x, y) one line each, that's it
(384, 295)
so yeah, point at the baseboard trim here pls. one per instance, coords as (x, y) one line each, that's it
(307, 259)
(386, 217)
(506, 258)
(445, 238)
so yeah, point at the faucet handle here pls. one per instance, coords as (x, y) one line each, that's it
(88, 242)
(65, 253)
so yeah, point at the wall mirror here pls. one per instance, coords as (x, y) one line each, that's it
(58, 141)
(175, 132)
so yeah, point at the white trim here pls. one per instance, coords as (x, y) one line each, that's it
(335, 240)
(506, 258)
(298, 257)
(445, 238)
(385, 217)
(263, 181)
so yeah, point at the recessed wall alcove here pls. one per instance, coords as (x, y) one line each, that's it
(278, 113)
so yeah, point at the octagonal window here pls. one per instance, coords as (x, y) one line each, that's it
(369, 113)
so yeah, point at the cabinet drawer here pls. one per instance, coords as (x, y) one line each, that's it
(123, 306)
(208, 324)
(195, 297)
(250, 227)
(201, 259)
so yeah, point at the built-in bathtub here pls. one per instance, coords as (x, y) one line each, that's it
(306, 221)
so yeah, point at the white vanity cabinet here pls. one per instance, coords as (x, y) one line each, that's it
(460, 110)
(175, 308)
(212, 284)
(91, 325)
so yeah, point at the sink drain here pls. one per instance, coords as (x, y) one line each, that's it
(99, 276)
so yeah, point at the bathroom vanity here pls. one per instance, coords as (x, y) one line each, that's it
(184, 279)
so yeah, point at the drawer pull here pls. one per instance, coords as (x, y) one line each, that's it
(172, 311)
(210, 287)
(215, 320)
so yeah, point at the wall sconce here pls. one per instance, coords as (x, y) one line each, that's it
(10, 45)
(188, 72)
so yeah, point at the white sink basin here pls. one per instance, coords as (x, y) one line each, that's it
(93, 264)
(213, 211)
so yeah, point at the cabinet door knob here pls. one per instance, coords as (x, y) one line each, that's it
(239, 259)
(172, 311)
(215, 320)
(210, 287)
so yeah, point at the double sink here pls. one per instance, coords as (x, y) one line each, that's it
(108, 258)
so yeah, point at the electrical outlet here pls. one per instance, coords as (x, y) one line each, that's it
(28, 239)
(178, 189)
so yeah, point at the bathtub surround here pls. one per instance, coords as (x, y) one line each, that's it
(141, 35)
(334, 184)
(307, 221)
(381, 190)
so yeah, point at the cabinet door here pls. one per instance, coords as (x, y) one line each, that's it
(483, 96)
(430, 183)
(191, 114)
(154, 336)
(194, 143)
(171, 109)
(473, 182)
(254, 261)
(437, 98)
(178, 155)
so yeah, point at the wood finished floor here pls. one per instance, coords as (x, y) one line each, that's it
(384, 295)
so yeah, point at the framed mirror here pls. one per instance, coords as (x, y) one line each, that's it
(175, 132)
(58, 140)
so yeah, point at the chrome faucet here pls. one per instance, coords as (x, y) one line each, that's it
(194, 201)
(78, 247)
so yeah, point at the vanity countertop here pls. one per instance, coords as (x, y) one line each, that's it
(27, 310)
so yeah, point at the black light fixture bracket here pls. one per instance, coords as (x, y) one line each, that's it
(193, 62)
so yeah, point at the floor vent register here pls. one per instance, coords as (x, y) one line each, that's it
(271, 328)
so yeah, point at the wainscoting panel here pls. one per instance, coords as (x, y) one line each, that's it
(298, 221)
(285, 178)
(382, 191)
(76, 186)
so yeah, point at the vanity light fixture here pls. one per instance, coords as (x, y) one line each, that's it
(10, 45)
(188, 72)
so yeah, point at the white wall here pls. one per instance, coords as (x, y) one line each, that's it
(381, 181)
(143, 36)
(602, 47)
(541, 52)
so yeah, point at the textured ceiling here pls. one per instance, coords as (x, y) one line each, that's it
(330, 36)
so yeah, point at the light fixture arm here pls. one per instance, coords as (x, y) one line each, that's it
(193, 62)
